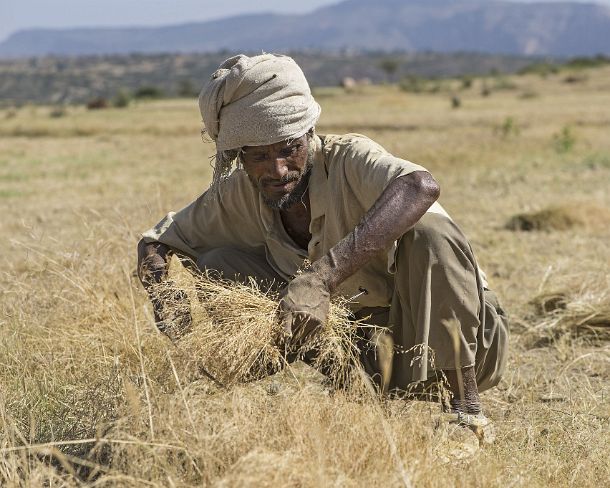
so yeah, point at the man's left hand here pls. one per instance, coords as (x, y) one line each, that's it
(304, 306)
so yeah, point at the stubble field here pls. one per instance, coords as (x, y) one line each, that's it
(91, 394)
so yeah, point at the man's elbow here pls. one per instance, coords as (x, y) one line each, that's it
(428, 186)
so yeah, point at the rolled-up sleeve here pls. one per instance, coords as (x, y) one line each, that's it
(223, 217)
(368, 168)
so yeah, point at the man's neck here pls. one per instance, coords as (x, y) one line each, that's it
(296, 221)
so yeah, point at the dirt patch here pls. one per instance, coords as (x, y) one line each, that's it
(562, 217)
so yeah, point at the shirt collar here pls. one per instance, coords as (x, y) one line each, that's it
(318, 181)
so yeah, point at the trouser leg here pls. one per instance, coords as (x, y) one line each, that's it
(376, 346)
(440, 318)
(240, 266)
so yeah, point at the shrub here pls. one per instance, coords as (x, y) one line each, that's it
(485, 90)
(507, 128)
(588, 62)
(58, 111)
(148, 91)
(503, 83)
(564, 141)
(467, 82)
(542, 69)
(97, 103)
(575, 78)
(121, 99)
(389, 66)
(412, 84)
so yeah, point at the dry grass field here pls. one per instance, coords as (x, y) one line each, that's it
(91, 394)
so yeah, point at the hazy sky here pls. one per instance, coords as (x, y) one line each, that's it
(21, 14)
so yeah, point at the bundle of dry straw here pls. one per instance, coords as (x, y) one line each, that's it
(580, 312)
(235, 335)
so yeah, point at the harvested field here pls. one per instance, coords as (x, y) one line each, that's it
(91, 394)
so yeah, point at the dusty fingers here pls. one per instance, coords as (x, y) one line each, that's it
(304, 307)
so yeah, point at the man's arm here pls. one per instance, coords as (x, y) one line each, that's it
(306, 299)
(404, 201)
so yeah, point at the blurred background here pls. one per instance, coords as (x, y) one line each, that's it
(78, 51)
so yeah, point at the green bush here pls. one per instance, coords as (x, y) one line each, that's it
(413, 84)
(121, 100)
(389, 66)
(508, 128)
(588, 62)
(564, 140)
(467, 82)
(542, 69)
(148, 91)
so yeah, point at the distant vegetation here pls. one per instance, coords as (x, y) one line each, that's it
(545, 68)
(54, 80)
(120, 79)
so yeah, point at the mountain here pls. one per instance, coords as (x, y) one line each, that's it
(554, 29)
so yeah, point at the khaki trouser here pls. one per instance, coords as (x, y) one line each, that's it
(440, 317)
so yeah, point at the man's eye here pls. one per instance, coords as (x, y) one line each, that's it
(290, 151)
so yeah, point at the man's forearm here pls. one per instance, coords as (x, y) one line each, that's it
(398, 209)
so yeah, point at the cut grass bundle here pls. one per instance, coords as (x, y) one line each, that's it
(235, 335)
(585, 313)
(563, 217)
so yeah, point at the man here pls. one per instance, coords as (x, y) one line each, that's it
(368, 222)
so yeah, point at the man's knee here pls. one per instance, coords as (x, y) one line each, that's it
(435, 237)
(215, 260)
(239, 265)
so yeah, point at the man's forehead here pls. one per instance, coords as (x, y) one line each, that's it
(276, 146)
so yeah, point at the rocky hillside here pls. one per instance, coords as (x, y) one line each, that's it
(556, 29)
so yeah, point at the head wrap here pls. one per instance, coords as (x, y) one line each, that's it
(255, 101)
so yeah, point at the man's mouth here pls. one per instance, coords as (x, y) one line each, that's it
(279, 185)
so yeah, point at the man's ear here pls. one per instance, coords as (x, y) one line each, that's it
(311, 132)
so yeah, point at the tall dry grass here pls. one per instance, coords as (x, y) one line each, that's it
(91, 394)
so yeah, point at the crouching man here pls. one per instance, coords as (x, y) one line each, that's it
(367, 221)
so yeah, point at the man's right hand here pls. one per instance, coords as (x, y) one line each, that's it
(304, 306)
(171, 306)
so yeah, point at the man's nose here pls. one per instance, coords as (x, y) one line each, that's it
(278, 167)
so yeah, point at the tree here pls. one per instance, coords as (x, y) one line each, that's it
(389, 66)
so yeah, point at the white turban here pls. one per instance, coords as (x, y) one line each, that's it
(255, 101)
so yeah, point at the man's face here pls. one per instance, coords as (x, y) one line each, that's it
(280, 172)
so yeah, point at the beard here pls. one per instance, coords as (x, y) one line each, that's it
(288, 199)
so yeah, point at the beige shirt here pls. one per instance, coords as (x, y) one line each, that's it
(349, 173)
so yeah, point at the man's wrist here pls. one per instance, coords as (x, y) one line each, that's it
(325, 271)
